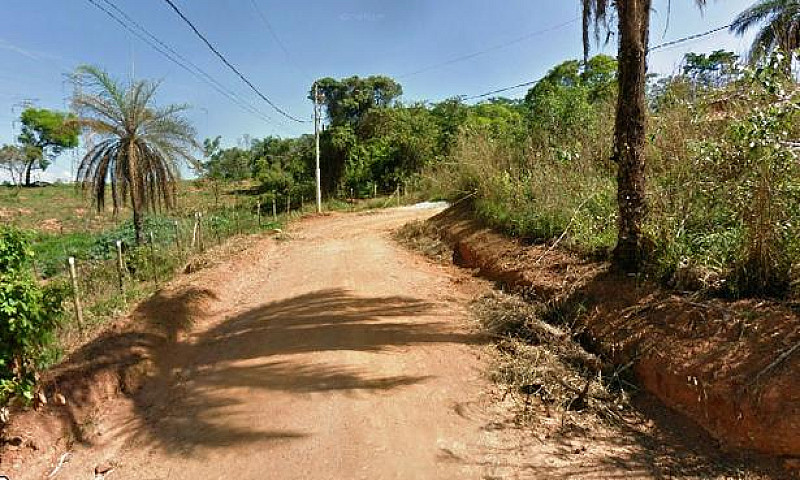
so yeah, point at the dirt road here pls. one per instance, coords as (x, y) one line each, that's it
(333, 354)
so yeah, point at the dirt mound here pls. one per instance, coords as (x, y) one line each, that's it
(118, 362)
(732, 367)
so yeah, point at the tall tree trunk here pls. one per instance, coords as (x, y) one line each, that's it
(28, 169)
(138, 223)
(137, 193)
(630, 133)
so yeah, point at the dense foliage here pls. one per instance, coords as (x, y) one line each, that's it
(29, 314)
(721, 167)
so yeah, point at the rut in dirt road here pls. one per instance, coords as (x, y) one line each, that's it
(335, 354)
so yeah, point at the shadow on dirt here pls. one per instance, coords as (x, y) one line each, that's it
(199, 386)
(651, 442)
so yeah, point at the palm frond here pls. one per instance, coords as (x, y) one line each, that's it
(142, 147)
(597, 16)
(778, 22)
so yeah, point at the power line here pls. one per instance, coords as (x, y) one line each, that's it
(657, 47)
(500, 90)
(214, 82)
(230, 65)
(689, 38)
(489, 49)
(277, 39)
(173, 56)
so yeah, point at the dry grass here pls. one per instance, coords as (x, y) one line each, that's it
(424, 237)
(539, 361)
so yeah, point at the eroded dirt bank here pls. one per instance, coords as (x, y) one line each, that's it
(731, 367)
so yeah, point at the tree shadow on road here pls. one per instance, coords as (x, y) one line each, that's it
(201, 385)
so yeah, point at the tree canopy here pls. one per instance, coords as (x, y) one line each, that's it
(45, 134)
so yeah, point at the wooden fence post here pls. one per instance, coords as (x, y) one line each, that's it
(73, 276)
(200, 238)
(194, 230)
(120, 268)
(177, 237)
(153, 258)
(258, 209)
(274, 208)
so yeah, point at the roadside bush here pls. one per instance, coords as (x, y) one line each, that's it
(531, 189)
(29, 315)
(723, 180)
(724, 186)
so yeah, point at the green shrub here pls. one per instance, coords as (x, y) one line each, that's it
(29, 315)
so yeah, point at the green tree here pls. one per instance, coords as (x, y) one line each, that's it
(712, 70)
(400, 141)
(630, 127)
(563, 106)
(14, 160)
(779, 28)
(45, 133)
(231, 164)
(449, 116)
(141, 144)
(285, 166)
(347, 103)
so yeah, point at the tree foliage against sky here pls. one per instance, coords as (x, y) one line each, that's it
(45, 134)
(778, 24)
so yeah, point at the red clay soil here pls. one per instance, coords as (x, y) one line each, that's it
(330, 352)
(731, 367)
(335, 353)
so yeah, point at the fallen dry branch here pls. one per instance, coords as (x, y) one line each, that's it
(779, 360)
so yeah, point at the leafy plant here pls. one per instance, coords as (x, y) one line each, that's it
(29, 315)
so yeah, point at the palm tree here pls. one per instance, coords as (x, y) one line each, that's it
(633, 19)
(779, 21)
(139, 145)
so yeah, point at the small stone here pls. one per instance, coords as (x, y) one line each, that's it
(59, 399)
(103, 468)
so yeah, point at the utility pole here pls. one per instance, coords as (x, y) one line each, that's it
(316, 140)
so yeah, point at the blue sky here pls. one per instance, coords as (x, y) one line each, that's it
(42, 40)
